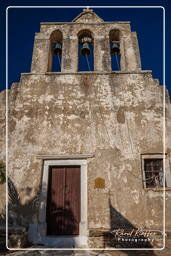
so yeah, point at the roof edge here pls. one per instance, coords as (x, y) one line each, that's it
(104, 22)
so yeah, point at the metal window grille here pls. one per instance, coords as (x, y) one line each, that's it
(153, 169)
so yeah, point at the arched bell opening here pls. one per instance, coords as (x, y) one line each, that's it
(114, 38)
(85, 51)
(55, 55)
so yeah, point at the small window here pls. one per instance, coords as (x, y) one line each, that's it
(153, 170)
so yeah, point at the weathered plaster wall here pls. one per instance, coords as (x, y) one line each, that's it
(168, 151)
(2, 150)
(115, 116)
(2, 124)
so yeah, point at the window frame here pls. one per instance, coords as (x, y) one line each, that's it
(165, 165)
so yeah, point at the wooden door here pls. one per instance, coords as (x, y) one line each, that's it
(63, 201)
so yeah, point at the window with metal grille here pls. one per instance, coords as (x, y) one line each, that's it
(153, 169)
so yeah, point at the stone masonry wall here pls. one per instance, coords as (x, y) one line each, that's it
(130, 57)
(115, 116)
(2, 151)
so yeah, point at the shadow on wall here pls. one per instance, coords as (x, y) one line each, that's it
(61, 219)
(118, 223)
(17, 211)
(2, 209)
(20, 215)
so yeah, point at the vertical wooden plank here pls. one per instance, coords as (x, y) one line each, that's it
(56, 201)
(72, 199)
(63, 206)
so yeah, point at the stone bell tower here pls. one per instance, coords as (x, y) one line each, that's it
(85, 131)
(87, 24)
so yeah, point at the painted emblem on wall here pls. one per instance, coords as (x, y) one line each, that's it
(99, 183)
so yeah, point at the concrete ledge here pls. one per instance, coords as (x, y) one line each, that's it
(46, 157)
(65, 241)
(35, 237)
(89, 73)
(12, 229)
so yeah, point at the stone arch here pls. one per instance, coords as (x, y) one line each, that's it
(56, 40)
(86, 55)
(114, 34)
(114, 41)
(85, 32)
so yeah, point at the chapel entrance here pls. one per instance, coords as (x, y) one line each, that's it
(63, 200)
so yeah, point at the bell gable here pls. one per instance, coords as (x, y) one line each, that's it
(88, 16)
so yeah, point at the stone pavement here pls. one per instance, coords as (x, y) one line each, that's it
(165, 252)
(33, 252)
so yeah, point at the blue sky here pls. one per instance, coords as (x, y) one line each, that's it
(23, 23)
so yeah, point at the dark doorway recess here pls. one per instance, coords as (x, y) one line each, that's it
(63, 202)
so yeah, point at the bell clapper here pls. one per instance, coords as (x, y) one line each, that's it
(59, 60)
(87, 62)
(116, 55)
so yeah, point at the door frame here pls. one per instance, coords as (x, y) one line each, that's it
(42, 225)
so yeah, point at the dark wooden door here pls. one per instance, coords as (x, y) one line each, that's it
(63, 202)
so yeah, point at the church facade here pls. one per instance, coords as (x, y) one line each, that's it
(86, 141)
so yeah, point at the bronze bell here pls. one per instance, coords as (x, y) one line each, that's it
(115, 48)
(85, 51)
(57, 49)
